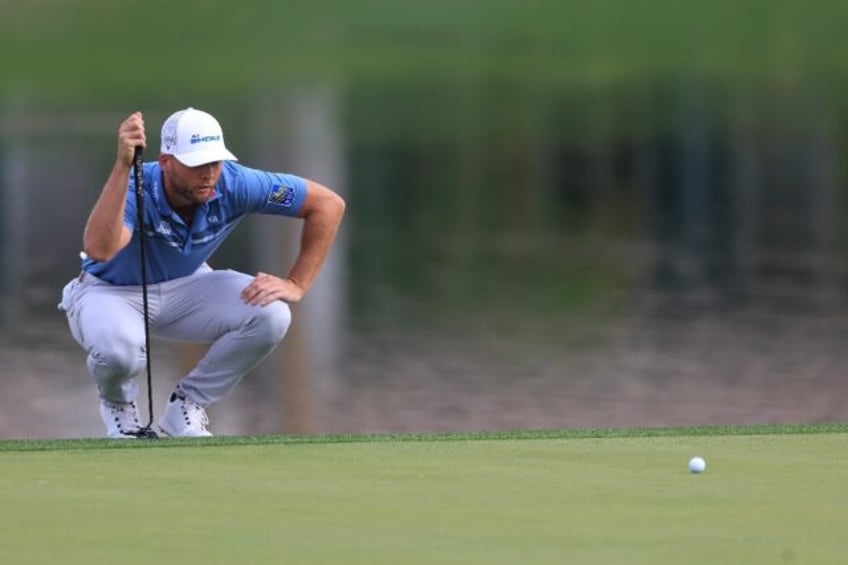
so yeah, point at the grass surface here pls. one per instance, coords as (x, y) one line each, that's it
(770, 494)
(81, 47)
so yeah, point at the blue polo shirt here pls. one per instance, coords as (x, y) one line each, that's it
(174, 249)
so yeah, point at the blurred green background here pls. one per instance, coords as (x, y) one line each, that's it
(561, 214)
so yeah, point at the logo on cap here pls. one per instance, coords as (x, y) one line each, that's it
(169, 136)
(196, 138)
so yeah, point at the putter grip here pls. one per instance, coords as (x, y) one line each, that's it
(138, 161)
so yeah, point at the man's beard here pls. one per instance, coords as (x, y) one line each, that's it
(194, 196)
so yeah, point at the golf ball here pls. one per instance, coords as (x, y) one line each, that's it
(697, 465)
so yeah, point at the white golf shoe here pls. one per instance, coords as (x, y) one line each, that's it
(184, 418)
(121, 419)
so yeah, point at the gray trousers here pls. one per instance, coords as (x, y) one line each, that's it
(205, 307)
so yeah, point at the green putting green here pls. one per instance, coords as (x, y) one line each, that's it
(769, 495)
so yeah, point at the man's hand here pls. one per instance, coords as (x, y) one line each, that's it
(266, 288)
(130, 136)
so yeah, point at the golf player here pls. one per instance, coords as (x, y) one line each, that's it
(194, 195)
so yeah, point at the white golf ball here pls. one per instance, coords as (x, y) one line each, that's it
(697, 465)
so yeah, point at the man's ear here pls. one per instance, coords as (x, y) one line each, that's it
(164, 162)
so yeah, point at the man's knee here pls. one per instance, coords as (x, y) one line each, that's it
(118, 356)
(271, 322)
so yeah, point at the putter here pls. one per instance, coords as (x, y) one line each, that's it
(147, 431)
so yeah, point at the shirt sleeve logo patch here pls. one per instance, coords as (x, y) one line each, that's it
(282, 195)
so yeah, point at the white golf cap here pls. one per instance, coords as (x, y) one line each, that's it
(194, 138)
